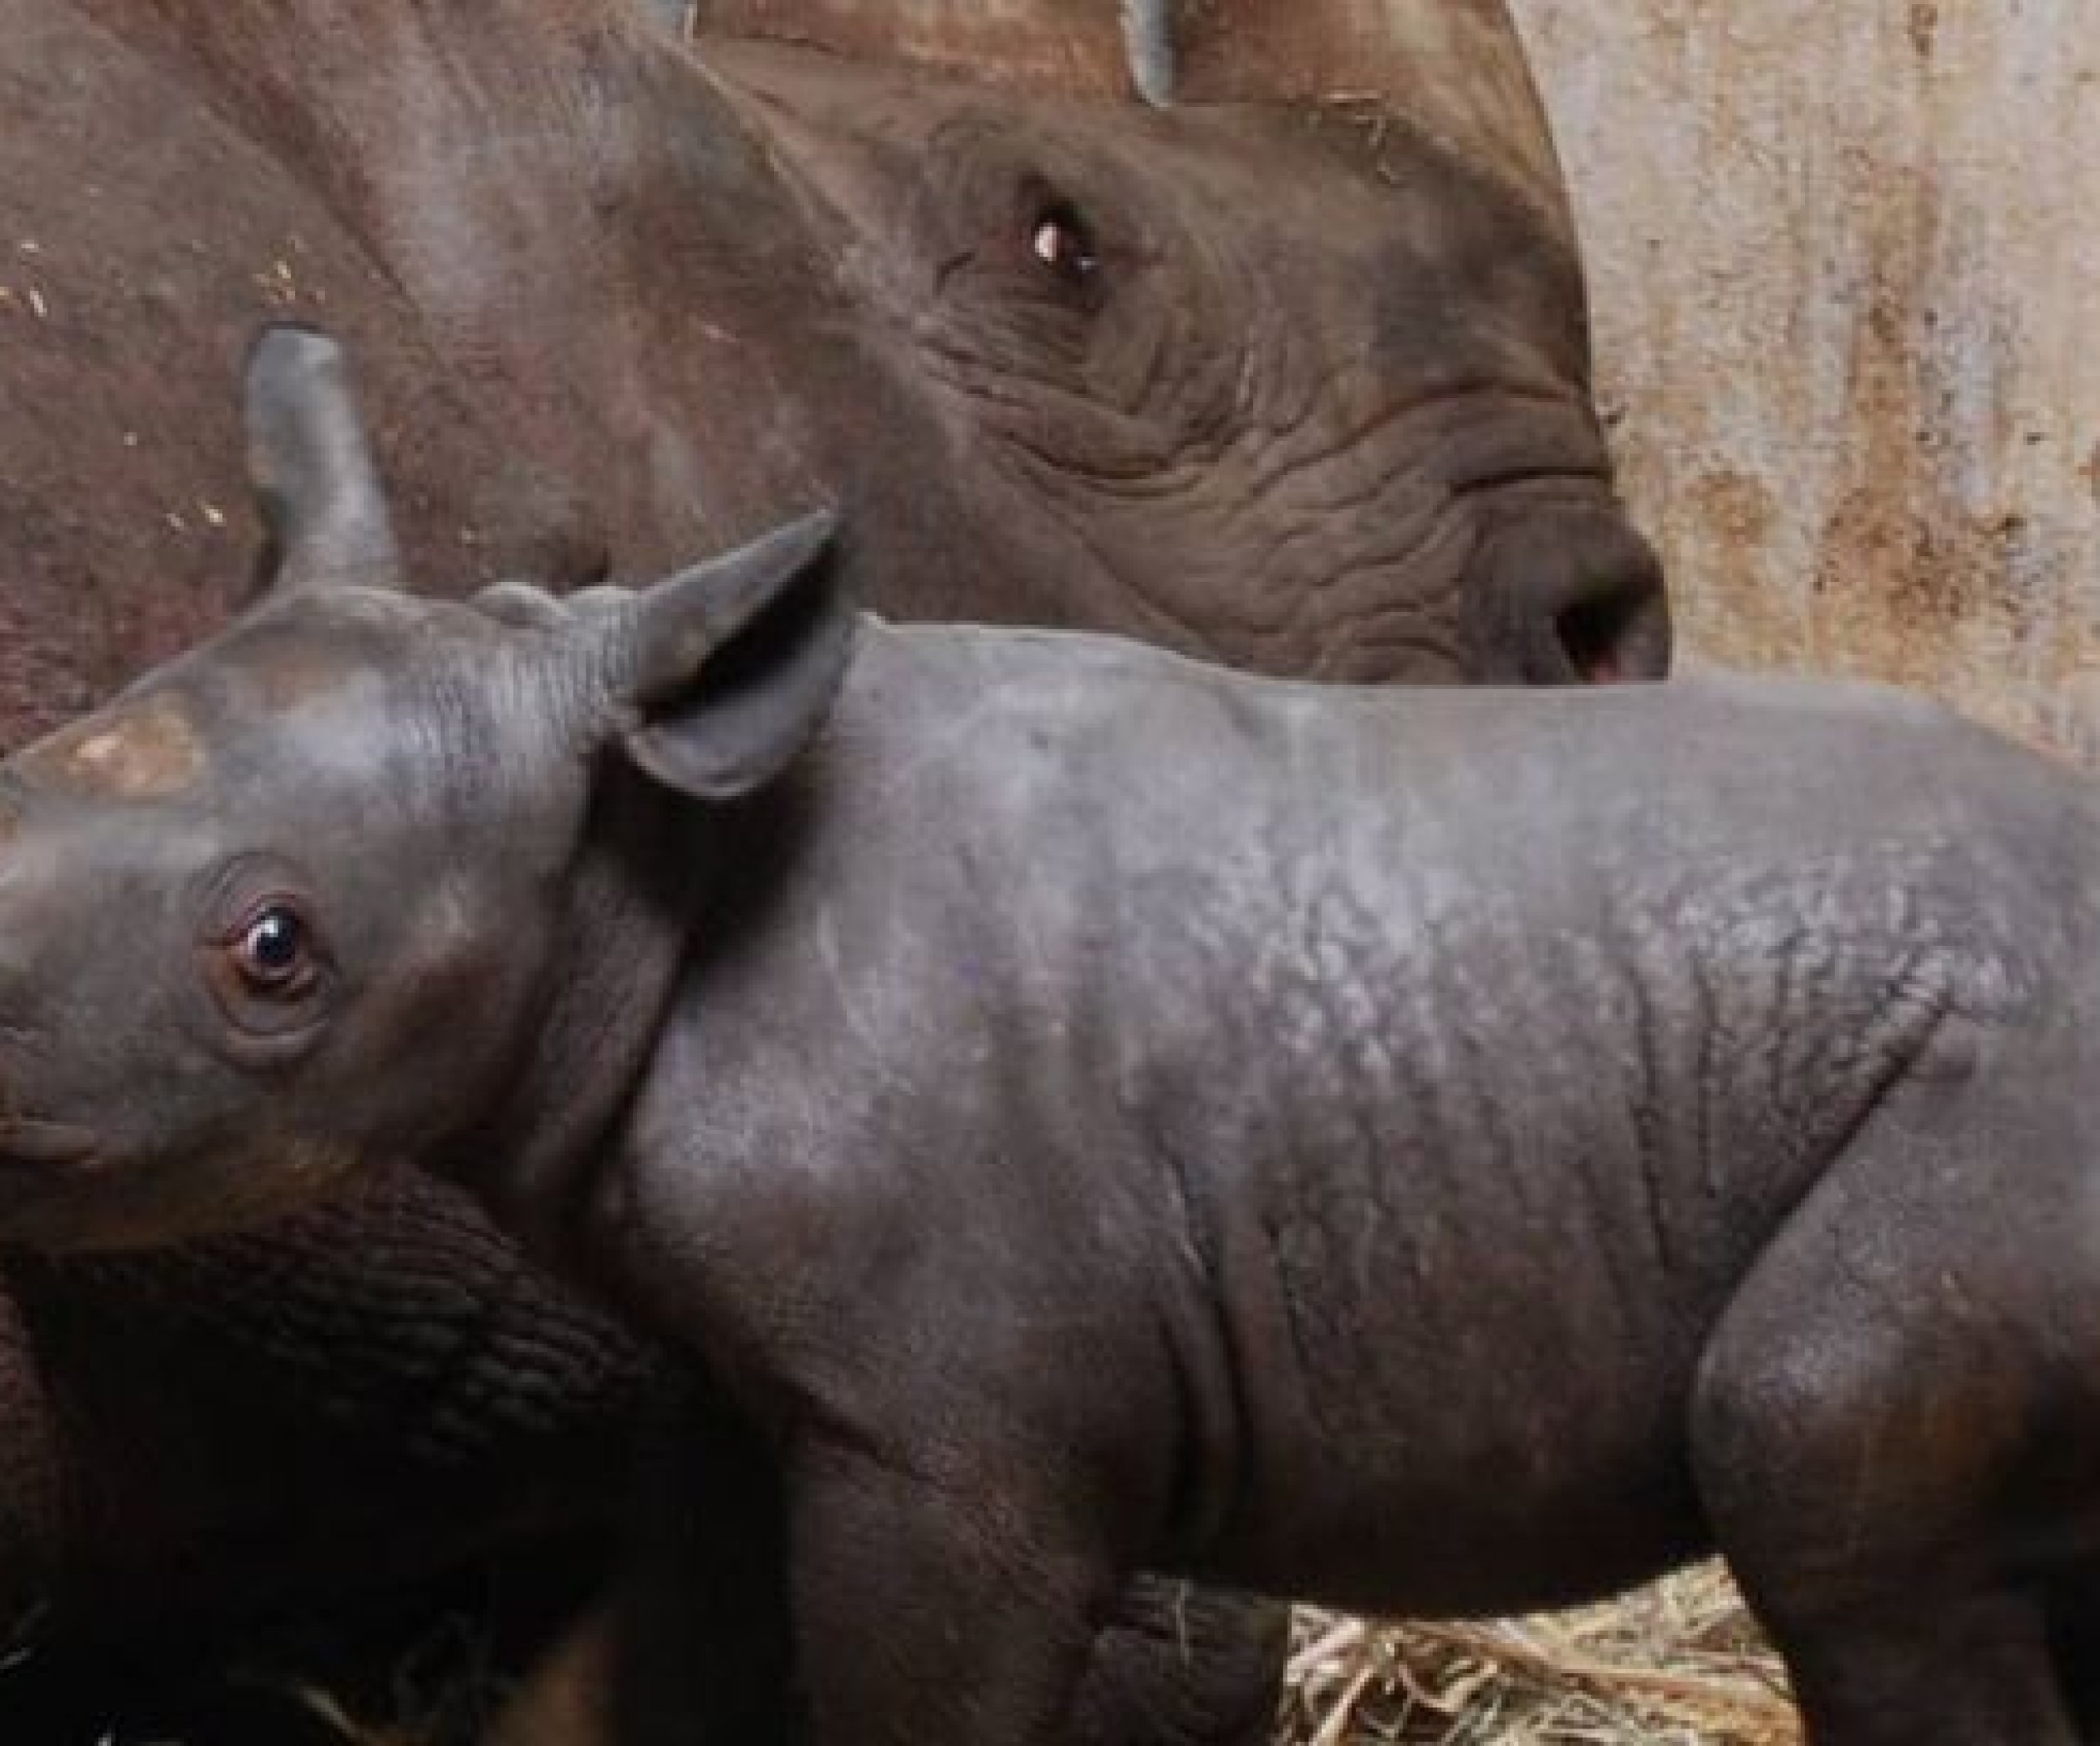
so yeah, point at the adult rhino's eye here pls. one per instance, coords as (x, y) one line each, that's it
(1063, 242)
(274, 951)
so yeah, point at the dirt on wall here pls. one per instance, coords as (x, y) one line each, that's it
(1847, 288)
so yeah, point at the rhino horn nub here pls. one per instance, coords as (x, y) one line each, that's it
(317, 485)
(1148, 36)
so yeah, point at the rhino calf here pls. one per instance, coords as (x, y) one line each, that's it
(1430, 1151)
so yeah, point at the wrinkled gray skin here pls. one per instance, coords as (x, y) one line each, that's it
(1432, 1152)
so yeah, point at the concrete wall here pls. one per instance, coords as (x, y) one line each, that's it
(1846, 264)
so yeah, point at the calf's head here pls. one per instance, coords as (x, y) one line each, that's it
(292, 903)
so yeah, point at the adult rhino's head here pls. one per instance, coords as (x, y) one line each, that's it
(1283, 362)
(295, 903)
(1256, 329)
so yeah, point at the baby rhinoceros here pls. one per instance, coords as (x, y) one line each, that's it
(1430, 1151)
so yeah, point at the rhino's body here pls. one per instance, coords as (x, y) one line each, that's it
(1424, 1149)
(1401, 1085)
(1318, 404)
(1432, 1153)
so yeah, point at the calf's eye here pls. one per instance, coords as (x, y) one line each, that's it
(274, 951)
(265, 962)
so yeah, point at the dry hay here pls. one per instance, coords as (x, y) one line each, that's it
(1680, 1664)
(1677, 1664)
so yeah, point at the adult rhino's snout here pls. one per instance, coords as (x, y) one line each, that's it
(1569, 590)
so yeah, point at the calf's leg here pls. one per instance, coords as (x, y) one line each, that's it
(1896, 1423)
(938, 1612)
(1178, 1664)
(707, 1631)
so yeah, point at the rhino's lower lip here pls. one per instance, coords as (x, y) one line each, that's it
(26, 1142)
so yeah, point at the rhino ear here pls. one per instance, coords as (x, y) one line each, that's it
(728, 670)
(324, 515)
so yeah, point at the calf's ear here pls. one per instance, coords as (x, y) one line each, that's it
(324, 514)
(730, 669)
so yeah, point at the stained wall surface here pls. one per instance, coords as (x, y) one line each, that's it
(1846, 266)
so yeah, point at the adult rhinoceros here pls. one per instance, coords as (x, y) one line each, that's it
(1257, 331)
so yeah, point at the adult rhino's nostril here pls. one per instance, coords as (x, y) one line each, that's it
(1588, 594)
(1564, 591)
(1621, 632)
